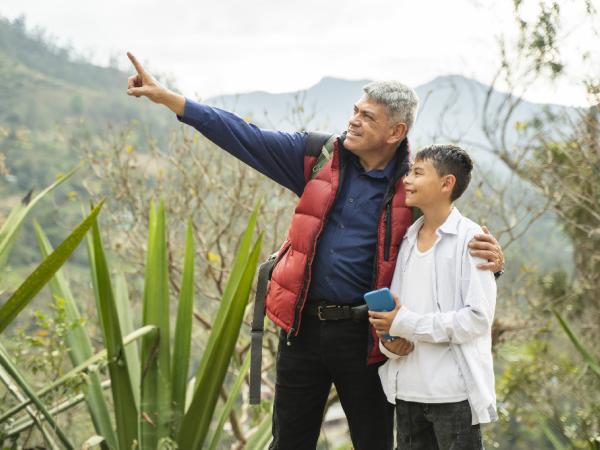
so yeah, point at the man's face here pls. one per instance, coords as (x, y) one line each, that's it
(425, 187)
(369, 128)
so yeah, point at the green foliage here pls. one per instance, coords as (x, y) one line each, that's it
(126, 414)
(9, 367)
(548, 397)
(191, 430)
(183, 335)
(156, 385)
(539, 37)
(44, 272)
(79, 346)
(156, 406)
(590, 360)
(220, 347)
(16, 218)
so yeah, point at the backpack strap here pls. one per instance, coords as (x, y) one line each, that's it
(258, 321)
(315, 141)
(321, 146)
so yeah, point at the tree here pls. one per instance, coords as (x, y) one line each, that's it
(546, 388)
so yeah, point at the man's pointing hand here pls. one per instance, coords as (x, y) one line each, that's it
(145, 85)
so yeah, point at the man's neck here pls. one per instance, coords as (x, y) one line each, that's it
(377, 160)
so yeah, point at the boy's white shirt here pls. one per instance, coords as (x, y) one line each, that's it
(465, 297)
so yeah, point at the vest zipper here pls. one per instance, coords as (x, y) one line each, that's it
(388, 230)
(387, 205)
(298, 307)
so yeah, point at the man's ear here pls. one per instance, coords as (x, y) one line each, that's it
(399, 131)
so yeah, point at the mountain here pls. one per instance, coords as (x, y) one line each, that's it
(450, 110)
(42, 84)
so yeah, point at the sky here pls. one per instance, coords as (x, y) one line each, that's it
(234, 46)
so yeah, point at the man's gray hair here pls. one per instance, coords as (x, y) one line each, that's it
(400, 101)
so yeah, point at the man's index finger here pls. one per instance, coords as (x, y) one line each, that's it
(136, 63)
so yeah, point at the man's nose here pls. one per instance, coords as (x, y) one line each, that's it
(354, 120)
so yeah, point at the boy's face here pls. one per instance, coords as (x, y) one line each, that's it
(424, 187)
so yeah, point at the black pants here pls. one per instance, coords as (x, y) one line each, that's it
(327, 352)
(436, 426)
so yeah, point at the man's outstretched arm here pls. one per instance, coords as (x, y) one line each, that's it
(278, 155)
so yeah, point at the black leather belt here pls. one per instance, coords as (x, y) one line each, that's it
(325, 311)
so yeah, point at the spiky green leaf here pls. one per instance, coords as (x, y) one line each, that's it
(183, 329)
(156, 408)
(126, 414)
(79, 346)
(15, 219)
(45, 271)
(196, 422)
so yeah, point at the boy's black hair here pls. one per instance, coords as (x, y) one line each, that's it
(448, 159)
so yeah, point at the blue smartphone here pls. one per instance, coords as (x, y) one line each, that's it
(380, 300)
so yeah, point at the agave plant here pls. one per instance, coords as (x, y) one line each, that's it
(9, 374)
(150, 404)
(156, 404)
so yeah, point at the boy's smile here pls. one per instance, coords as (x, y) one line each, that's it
(424, 186)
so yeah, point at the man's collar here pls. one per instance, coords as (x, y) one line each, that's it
(387, 172)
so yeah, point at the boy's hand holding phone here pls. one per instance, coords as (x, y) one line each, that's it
(382, 320)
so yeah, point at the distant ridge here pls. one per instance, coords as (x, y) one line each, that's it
(450, 108)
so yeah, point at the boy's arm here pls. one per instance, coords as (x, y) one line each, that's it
(474, 319)
(278, 155)
(397, 348)
(387, 353)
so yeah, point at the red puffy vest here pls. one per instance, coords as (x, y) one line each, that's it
(291, 273)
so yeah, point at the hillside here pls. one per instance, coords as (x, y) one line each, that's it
(41, 85)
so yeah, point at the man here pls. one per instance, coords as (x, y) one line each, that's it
(343, 241)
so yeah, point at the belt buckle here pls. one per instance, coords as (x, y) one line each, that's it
(320, 309)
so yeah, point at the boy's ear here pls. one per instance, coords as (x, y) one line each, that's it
(448, 183)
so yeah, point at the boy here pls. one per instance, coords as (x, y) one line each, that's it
(444, 388)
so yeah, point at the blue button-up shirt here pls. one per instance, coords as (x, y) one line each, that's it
(343, 265)
(342, 269)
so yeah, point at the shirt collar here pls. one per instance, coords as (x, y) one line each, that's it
(450, 226)
(387, 172)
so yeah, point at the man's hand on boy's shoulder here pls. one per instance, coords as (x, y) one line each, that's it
(399, 346)
(487, 247)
